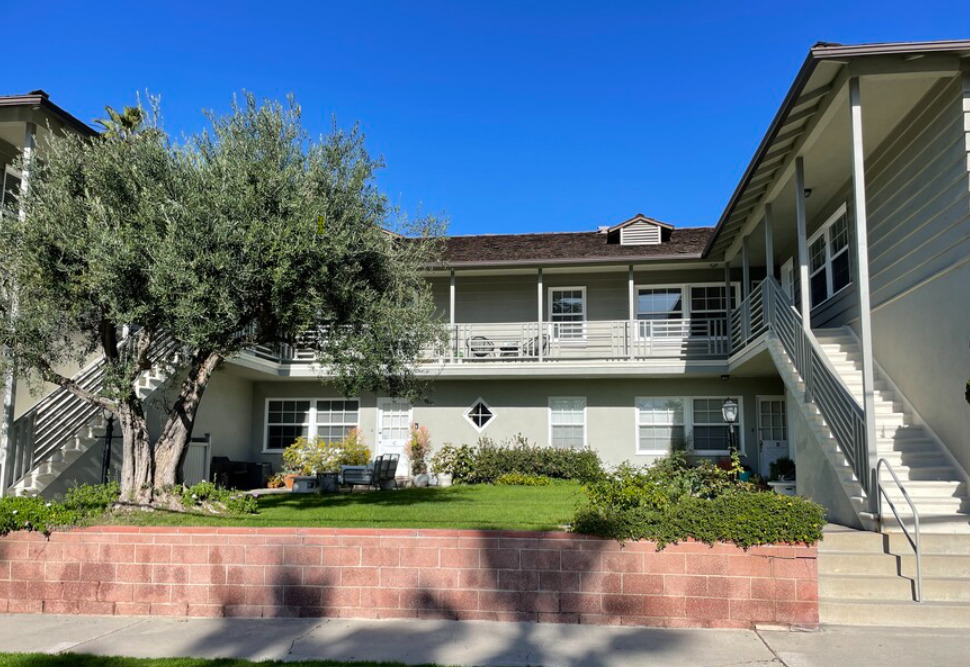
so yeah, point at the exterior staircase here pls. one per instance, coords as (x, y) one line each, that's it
(868, 578)
(61, 428)
(935, 483)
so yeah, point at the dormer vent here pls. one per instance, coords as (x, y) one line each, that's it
(640, 233)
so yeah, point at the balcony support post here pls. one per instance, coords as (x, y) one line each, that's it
(769, 244)
(745, 290)
(452, 332)
(8, 392)
(800, 224)
(540, 340)
(862, 279)
(729, 334)
(631, 327)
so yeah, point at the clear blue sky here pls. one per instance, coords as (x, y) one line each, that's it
(506, 116)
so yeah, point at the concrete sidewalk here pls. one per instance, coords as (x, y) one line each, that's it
(476, 643)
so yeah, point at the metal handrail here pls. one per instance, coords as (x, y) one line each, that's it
(841, 412)
(47, 426)
(915, 543)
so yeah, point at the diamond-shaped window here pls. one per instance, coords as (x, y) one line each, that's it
(480, 415)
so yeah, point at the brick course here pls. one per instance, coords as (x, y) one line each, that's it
(362, 573)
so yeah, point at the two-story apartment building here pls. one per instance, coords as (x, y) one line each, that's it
(828, 302)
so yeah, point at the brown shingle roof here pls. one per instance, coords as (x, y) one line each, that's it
(569, 247)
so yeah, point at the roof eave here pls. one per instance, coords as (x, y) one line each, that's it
(45, 103)
(819, 53)
(606, 261)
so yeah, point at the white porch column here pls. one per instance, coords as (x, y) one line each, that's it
(727, 304)
(451, 316)
(862, 266)
(632, 298)
(800, 222)
(745, 290)
(769, 244)
(9, 388)
(540, 341)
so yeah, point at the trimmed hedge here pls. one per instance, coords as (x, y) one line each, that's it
(487, 461)
(746, 518)
(673, 501)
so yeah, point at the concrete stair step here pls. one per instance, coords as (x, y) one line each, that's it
(934, 565)
(887, 587)
(894, 614)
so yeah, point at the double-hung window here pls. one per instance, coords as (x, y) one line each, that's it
(665, 424)
(663, 311)
(655, 305)
(567, 422)
(828, 257)
(289, 419)
(660, 425)
(567, 312)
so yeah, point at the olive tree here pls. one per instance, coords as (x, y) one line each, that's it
(248, 233)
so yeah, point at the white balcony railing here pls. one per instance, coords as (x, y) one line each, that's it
(605, 340)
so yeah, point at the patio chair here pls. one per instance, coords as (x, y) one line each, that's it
(480, 346)
(531, 347)
(376, 474)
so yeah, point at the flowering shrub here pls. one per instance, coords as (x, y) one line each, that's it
(306, 457)
(418, 448)
(520, 479)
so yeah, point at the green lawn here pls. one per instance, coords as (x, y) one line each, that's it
(81, 660)
(482, 506)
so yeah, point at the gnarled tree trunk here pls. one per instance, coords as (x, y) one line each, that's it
(138, 466)
(173, 443)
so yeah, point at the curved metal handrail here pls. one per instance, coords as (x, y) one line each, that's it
(913, 543)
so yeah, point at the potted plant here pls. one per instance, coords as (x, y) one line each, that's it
(417, 450)
(782, 476)
(443, 464)
(351, 451)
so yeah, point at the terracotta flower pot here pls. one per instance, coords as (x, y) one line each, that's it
(288, 480)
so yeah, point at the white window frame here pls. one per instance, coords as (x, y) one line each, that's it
(688, 403)
(467, 414)
(552, 425)
(685, 289)
(311, 417)
(636, 423)
(826, 230)
(581, 338)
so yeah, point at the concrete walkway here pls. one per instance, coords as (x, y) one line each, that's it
(477, 643)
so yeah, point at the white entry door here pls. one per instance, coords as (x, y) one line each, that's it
(393, 427)
(772, 431)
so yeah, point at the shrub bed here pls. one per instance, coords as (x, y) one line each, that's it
(89, 502)
(673, 501)
(487, 461)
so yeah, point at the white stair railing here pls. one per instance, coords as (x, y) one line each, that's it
(768, 307)
(55, 421)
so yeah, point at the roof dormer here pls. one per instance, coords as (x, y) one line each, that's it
(639, 230)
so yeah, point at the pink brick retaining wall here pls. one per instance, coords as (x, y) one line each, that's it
(460, 574)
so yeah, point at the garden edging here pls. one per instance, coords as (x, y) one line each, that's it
(373, 573)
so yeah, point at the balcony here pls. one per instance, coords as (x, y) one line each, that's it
(514, 343)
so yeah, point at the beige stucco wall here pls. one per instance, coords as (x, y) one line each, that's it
(815, 478)
(522, 406)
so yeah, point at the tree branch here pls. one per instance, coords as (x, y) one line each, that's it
(143, 344)
(50, 375)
